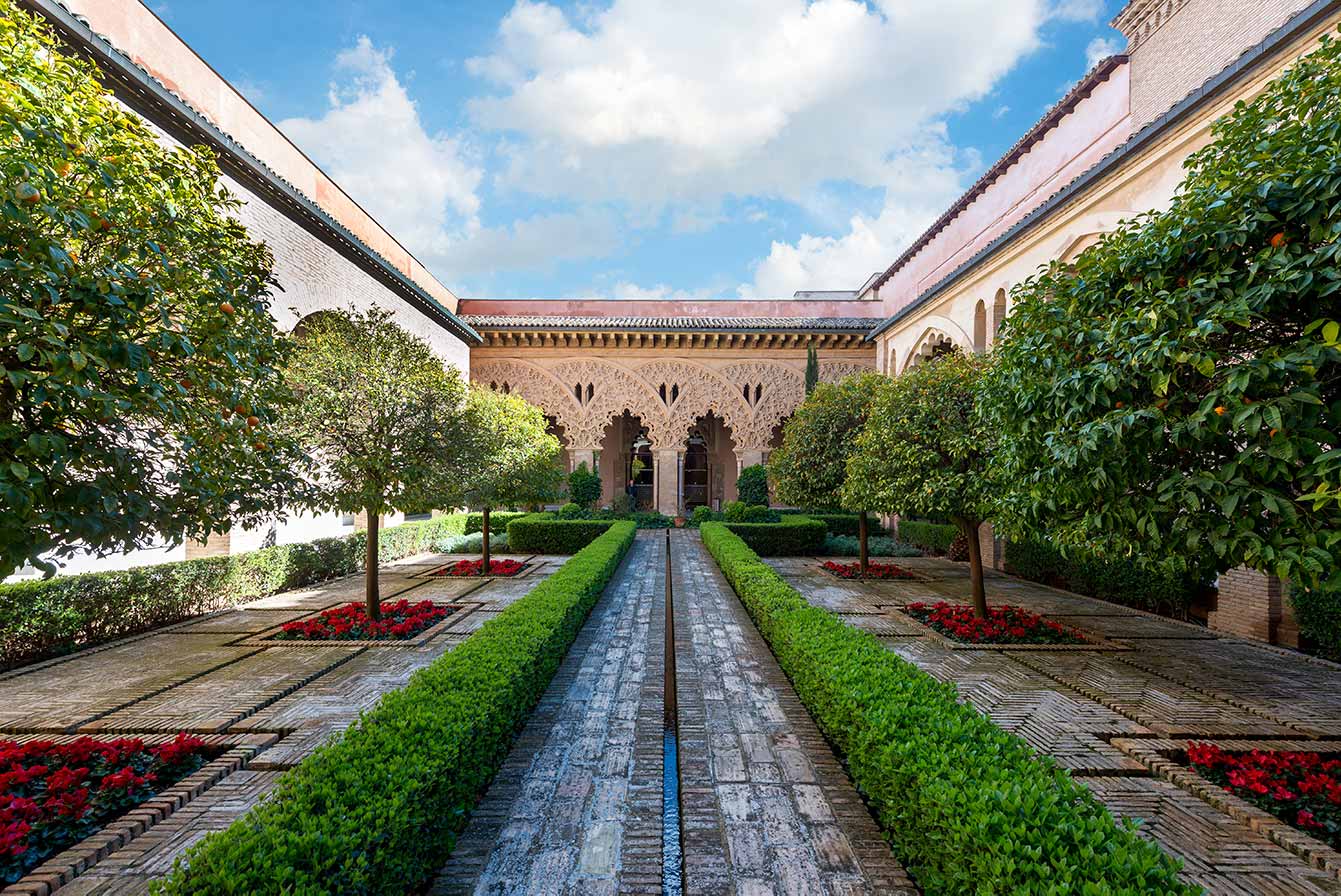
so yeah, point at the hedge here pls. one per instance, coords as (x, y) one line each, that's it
(498, 520)
(542, 533)
(934, 537)
(378, 809)
(1119, 581)
(968, 807)
(844, 523)
(876, 546)
(793, 536)
(50, 617)
(1319, 616)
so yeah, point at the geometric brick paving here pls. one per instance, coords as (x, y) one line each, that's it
(1087, 709)
(576, 806)
(767, 808)
(205, 675)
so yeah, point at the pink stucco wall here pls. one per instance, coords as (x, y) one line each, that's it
(674, 307)
(130, 27)
(1096, 126)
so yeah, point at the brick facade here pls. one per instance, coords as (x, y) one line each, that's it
(1176, 45)
(1252, 604)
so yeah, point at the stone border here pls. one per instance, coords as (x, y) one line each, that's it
(1096, 642)
(1156, 755)
(266, 637)
(65, 866)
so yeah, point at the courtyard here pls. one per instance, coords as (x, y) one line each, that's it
(765, 804)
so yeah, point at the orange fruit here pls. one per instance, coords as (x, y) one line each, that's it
(241, 410)
(227, 308)
(253, 421)
(1277, 240)
(1220, 409)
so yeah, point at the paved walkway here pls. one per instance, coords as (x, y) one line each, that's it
(1118, 719)
(212, 676)
(766, 806)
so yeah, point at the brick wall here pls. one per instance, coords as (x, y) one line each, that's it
(1176, 45)
(1252, 604)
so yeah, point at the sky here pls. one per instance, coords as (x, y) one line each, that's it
(647, 148)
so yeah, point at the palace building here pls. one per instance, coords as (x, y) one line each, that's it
(675, 397)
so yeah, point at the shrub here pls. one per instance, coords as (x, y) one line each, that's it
(740, 512)
(847, 546)
(1318, 612)
(791, 537)
(571, 511)
(843, 523)
(378, 810)
(622, 505)
(703, 514)
(752, 485)
(941, 779)
(1155, 589)
(471, 544)
(498, 520)
(541, 533)
(56, 616)
(584, 486)
(650, 519)
(933, 537)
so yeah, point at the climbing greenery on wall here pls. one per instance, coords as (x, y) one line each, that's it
(1174, 389)
(139, 365)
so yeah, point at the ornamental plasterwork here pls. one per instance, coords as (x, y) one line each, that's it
(669, 396)
(833, 371)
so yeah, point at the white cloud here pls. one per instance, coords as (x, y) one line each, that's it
(1101, 48)
(372, 142)
(1078, 10)
(1000, 111)
(536, 243)
(648, 102)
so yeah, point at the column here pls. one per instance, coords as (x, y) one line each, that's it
(586, 456)
(993, 557)
(666, 473)
(1249, 605)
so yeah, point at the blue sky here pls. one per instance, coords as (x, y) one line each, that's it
(642, 148)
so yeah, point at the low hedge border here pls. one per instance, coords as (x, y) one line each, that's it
(1119, 581)
(843, 523)
(378, 809)
(543, 533)
(498, 520)
(52, 617)
(968, 807)
(794, 536)
(934, 537)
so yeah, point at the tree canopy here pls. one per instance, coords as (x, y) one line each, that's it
(1174, 389)
(514, 459)
(385, 420)
(925, 451)
(810, 468)
(139, 363)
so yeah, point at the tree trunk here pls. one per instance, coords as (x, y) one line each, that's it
(370, 592)
(970, 530)
(863, 533)
(484, 529)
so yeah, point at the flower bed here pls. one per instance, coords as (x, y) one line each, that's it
(476, 567)
(54, 795)
(400, 620)
(1301, 789)
(873, 570)
(1003, 625)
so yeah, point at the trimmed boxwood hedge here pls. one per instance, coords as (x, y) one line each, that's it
(1319, 616)
(842, 523)
(498, 520)
(968, 807)
(543, 533)
(934, 537)
(378, 809)
(50, 617)
(1119, 581)
(792, 537)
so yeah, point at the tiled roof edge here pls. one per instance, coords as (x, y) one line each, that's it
(1210, 89)
(79, 34)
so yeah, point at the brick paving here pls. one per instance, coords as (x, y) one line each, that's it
(200, 676)
(1115, 718)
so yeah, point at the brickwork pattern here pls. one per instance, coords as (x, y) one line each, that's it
(1086, 710)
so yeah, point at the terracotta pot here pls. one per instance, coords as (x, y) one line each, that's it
(679, 522)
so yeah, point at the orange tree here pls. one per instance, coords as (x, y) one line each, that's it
(139, 364)
(925, 450)
(810, 468)
(1173, 392)
(514, 459)
(383, 418)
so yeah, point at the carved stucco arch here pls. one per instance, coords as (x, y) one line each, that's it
(585, 394)
(932, 340)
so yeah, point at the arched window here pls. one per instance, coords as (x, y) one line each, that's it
(980, 327)
(998, 312)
